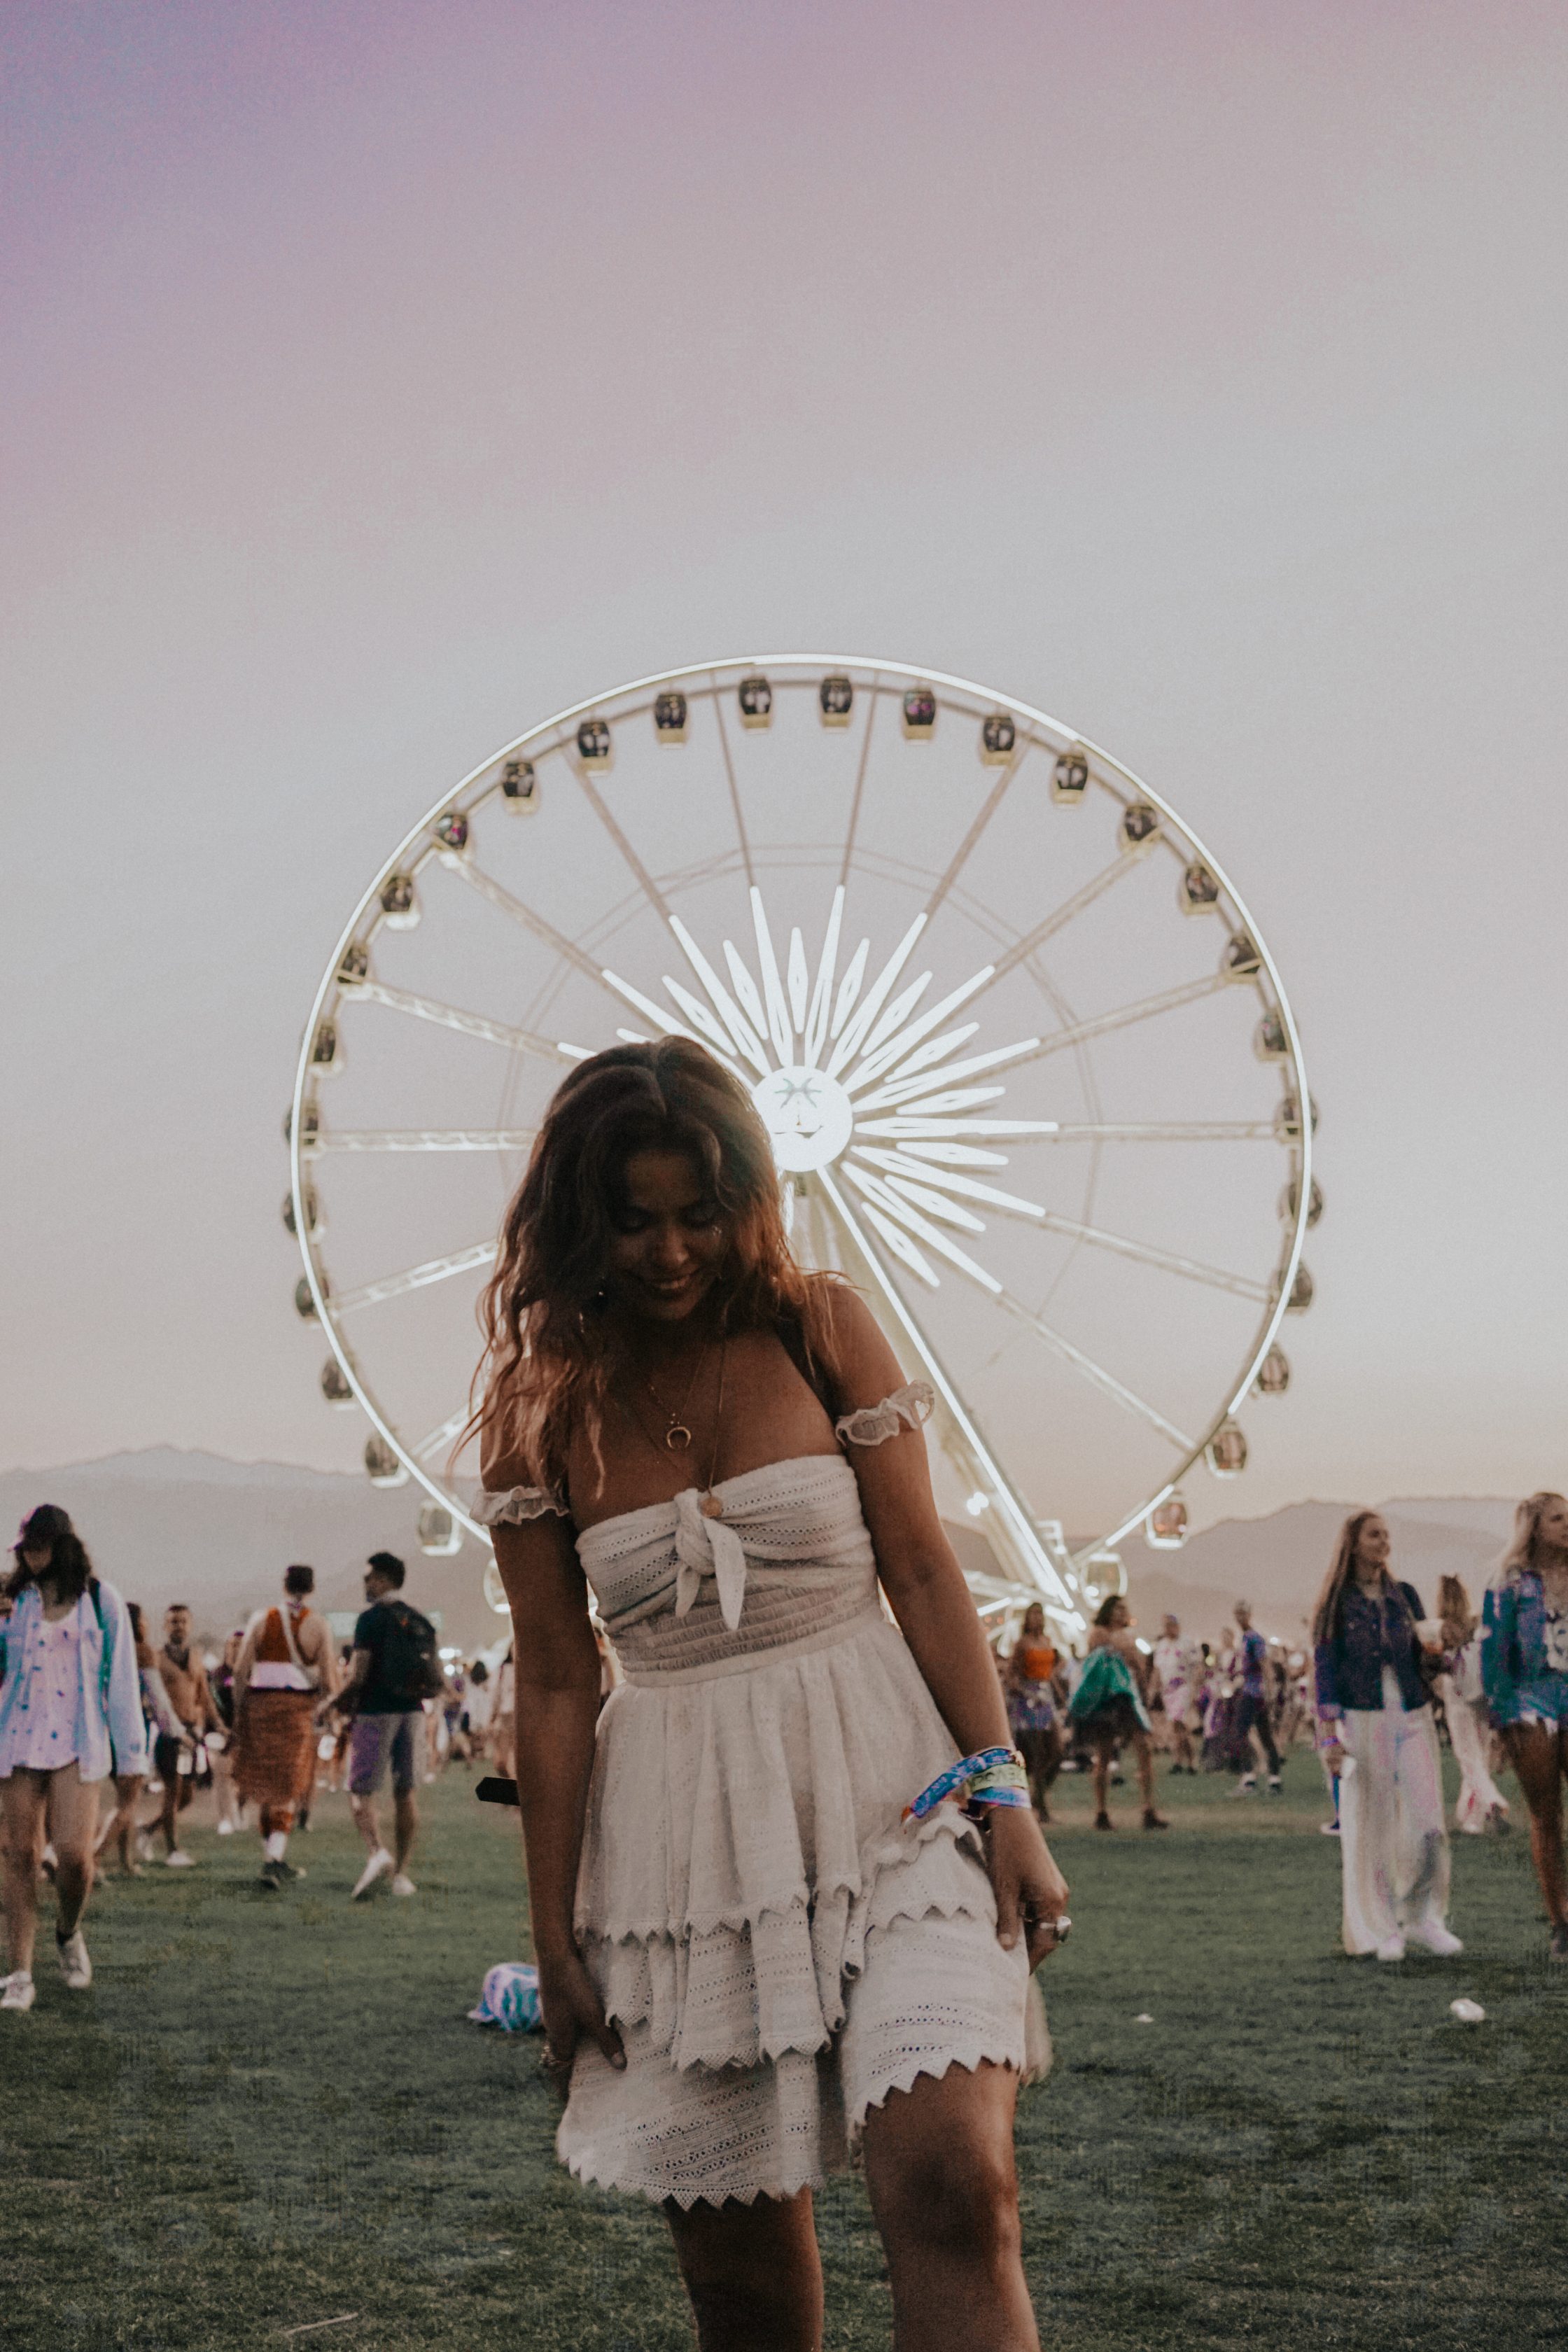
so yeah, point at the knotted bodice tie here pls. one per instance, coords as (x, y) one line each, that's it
(705, 1547)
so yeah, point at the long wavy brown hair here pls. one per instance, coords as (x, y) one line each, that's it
(1326, 1616)
(1520, 1553)
(545, 1366)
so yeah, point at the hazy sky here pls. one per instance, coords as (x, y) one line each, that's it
(378, 378)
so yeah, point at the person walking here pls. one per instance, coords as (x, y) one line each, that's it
(185, 1678)
(395, 1668)
(70, 1710)
(1524, 1671)
(1110, 1708)
(220, 1744)
(768, 1933)
(1178, 1672)
(1027, 1679)
(284, 1672)
(1254, 1715)
(1380, 1739)
(121, 1829)
(1480, 1805)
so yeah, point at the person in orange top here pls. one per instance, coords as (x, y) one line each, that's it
(183, 1675)
(1027, 1678)
(286, 1666)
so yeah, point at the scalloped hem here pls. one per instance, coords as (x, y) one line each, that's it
(686, 2198)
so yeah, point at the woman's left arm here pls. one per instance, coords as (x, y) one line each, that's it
(937, 1617)
(124, 1721)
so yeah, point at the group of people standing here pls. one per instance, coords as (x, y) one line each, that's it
(84, 1700)
(1379, 1663)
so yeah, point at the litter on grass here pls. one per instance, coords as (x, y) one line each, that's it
(1469, 2012)
(1143, 2018)
(510, 1998)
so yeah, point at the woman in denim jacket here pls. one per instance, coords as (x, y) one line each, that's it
(70, 1710)
(1378, 1736)
(1524, 1671)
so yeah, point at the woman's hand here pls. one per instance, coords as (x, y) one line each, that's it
(1333, 1757)
(1030, 1890)
(569, 2001)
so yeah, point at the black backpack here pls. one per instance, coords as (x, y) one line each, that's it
(410, 1667)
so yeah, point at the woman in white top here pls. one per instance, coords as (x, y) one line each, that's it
(70, 1709)
(753, 1968)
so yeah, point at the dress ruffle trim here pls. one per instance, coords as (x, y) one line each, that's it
(510, 1506)
(873, 1424)
(750, 1988)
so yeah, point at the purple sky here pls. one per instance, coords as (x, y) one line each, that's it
(378, 379)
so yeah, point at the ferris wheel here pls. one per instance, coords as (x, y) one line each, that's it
(1029, 1070)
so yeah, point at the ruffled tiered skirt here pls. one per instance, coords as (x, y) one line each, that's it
(778, 1951)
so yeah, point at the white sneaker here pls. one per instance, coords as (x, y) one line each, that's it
(1391, 1949)
(1435, 1937)
(380, 1862)
(75, 1966)
(225, 1829)
(404, 1885)
(179, 1860)
(19, 1992)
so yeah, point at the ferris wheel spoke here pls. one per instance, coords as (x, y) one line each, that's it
(966, 848)
(872, 700)
(1175, 1130)
(1125, 1017)
(779, 1026)
(858, 1023)
(1020, 1538)
(661, 1019)
(899, 1037)
(442, 1435)
(468, 1024)
(915, 1176)
(418, 1139)
(745, 1037)
(650, 888)
(915, 1090)
(544, 931)
(1095, 1374)
(815, 1035)
(1059, 917)
(416, 1277)
(734, 789)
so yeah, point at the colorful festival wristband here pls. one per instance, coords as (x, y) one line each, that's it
(958, 1776)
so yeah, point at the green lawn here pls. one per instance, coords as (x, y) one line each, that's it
(270, 2110)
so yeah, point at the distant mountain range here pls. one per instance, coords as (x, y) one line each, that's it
(166, 1526)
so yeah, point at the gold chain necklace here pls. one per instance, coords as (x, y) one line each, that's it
(709, 1503)
(678, 1436)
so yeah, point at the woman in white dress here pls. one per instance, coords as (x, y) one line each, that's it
(754, 1968)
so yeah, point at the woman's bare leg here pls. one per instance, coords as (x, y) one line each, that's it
(752, 2273)
(1537, 1757)
(943, 2188)
(1102, 1755)
(22, 1831)
(71, 1808)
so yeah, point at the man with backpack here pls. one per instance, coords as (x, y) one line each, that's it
(394, 1670)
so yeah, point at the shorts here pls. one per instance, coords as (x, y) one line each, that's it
(166, 1755)
(375, 1740)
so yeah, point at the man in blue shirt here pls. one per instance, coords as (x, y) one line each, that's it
(1254, 1714)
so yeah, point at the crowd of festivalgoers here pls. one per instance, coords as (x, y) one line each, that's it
(87, 1698)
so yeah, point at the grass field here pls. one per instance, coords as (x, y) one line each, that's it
(269, 2112)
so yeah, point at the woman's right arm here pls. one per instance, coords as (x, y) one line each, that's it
(557, 1670)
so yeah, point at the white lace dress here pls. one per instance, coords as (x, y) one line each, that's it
(777, 1949)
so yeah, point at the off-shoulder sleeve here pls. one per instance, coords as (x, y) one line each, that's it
(873, 1424)
(511, 1506)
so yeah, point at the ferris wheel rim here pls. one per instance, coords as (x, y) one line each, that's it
(1059, 736)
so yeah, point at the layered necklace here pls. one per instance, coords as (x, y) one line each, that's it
(677, 1438)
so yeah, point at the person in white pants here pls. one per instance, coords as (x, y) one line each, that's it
(1480, 1805)
(1378, 1735)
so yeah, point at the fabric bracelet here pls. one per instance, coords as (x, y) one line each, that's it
(957, 1776)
